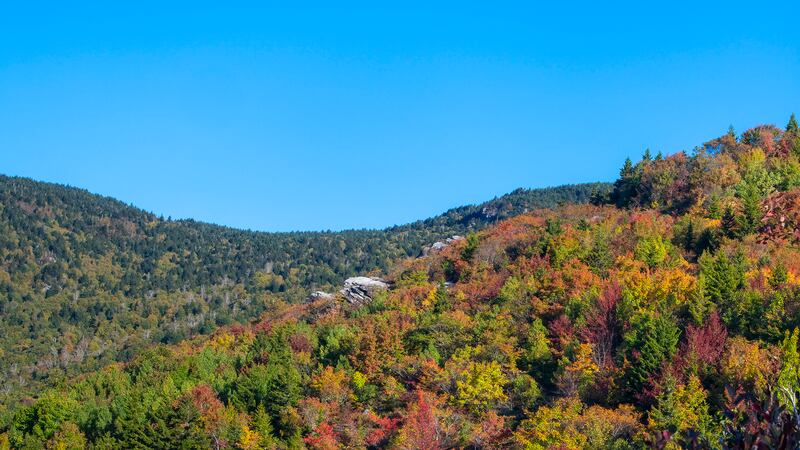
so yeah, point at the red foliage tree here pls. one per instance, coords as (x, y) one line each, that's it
(703, 348)
(322, 438)
(212, 412)
(563, 332)
(421, 427)
(602, 327)
(705, 344)
(384, 427)
(781, 220)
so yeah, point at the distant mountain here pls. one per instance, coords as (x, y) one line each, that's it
(86, 280)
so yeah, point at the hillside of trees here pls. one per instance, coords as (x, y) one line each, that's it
(663, 315)
(86, 280)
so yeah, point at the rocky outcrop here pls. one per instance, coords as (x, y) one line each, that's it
(318, 295)
(440, 245)
(360, 290)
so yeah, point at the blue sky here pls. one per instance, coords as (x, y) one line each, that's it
(368, 114)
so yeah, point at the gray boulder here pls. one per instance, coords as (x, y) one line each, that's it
(318, 295)
(360, 290)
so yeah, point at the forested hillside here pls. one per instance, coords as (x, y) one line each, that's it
(666, 319)
(87, 280)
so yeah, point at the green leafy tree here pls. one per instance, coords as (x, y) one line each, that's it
(538, 356)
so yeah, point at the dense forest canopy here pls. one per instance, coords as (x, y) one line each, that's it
(87, 280)
(664, 314)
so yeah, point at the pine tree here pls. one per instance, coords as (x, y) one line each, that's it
(651, 341)
(682, 410)
(789, 376)
(627, 169)
(793, 134)
(779, 276)
(791, 127)
(263, 426)
(722, 277)
(441, 301)
(689, 237)
(750, 219)
(729, 223)
(731, 132)
(627, 184)
(714, 208)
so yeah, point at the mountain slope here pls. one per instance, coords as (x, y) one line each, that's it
(86, 280)
(666, 320)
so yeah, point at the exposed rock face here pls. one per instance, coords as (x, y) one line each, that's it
(439, 246)
(489, 211)
(318, 295)
(360, 290)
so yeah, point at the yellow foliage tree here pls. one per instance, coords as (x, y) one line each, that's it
(480, 386)
(248, 439)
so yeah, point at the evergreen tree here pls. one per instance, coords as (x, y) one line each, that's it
(791, 127)
(626, 186)
(732, 133)
(441, 300)
(729, 223)
(689, 238)
(600, 258)
(752, 214)
(789, 375)
(650, 342)
(779, 276)
(793, 134)
(682, 410)
(263, 426)
(722, 277)
(627, 170)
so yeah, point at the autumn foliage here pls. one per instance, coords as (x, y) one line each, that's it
(662, 316)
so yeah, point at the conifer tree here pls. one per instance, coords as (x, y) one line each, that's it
(791, 127)
(625, 187)
(651, 341)
(793, 134)
(732, 132)
(789, 375)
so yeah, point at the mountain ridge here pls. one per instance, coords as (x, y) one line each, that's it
(579, 188)
(86, 263)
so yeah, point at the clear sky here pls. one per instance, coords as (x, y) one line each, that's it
(360, 115)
